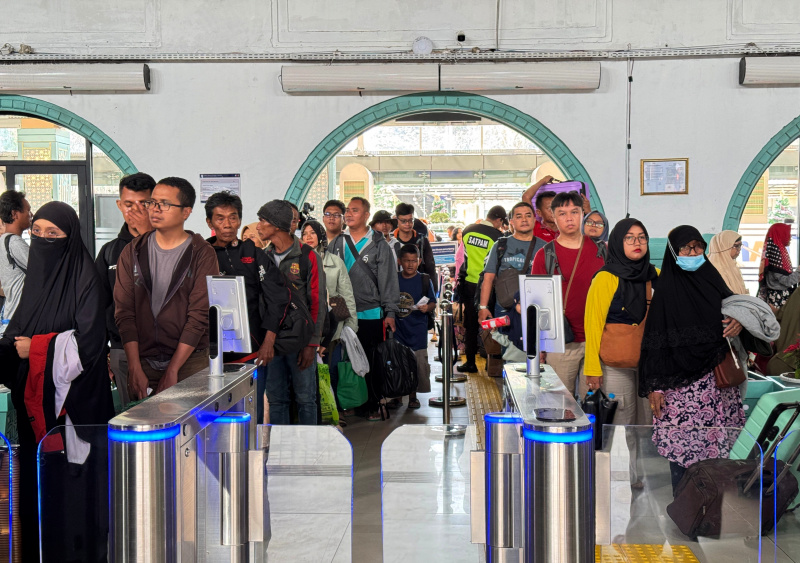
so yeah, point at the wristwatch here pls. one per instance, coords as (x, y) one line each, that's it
(482, 307)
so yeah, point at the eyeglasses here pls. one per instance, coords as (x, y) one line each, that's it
(334, 215)
(691, 249)
(595, 224)
(406, 221)
(737, 245)
(49, 235)
(159, 205)
(630, 240)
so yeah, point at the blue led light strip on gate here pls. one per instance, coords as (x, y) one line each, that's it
(557, 437)
(145, 435)
(230, 418)
(502, 418)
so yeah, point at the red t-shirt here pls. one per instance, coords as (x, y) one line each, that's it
(576, 300)
(542, 232)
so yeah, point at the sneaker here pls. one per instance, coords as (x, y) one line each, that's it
(467, 368)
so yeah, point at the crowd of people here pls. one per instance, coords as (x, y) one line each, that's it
(139, 311)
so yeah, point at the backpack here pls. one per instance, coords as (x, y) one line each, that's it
(502, 246)
(551, 260)
(11, 259)
(426, 284)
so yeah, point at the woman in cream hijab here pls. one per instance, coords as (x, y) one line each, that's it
(250, 232)
(722, 252)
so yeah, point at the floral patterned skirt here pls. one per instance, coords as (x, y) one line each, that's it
(775, 297)
(694, 422)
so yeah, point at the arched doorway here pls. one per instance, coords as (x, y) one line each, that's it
(52, 154)
(424, 102)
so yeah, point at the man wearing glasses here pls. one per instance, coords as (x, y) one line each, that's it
(333, 218)
(161, 295)
(406, 234)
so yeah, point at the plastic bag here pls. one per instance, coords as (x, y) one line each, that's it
(352, 389)
(327, 403)
(394, 368)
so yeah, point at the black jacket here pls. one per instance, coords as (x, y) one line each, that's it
(261, 276)
(106, 263)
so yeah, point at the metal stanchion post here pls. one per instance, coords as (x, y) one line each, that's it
(446, 401)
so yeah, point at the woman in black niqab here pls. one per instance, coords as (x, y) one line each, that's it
(62, 292)
(683, 342)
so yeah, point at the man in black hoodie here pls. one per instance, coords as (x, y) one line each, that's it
(133, 190)
(265, 286)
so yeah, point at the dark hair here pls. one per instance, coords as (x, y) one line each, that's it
(186, 193)
(541, 196)
(139, 182)
(293, 206)
(334, 203)
(10, 202)
(403, 209)
(363, 201)
(454, 236)
(223, 199)
(497, 212)
(566, 198)
(409, 249)
(521, 204)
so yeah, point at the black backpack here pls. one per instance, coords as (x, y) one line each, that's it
(551, 260)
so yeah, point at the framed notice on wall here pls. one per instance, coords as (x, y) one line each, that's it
(665, 176)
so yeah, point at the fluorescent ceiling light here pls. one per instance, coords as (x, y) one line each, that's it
(130, 77)
(755, 71)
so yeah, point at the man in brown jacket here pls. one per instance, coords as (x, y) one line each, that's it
(161, 297)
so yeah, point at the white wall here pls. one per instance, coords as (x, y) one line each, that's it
(224, 117)
(280, 26)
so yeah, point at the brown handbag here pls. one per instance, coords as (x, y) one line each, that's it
(339, 308)
(621, 344)
(729, 372)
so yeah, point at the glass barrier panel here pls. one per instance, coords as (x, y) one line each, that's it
(684, 492)
(425, 484)
(308, 493)
(9, 501)
(72, 464)
(786, 465)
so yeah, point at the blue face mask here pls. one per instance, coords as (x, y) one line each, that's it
(690, 263)
(687, 263)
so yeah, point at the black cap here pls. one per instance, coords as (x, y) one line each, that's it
(381, 217)
(497, 212)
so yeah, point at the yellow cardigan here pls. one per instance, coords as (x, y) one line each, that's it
(601, 293)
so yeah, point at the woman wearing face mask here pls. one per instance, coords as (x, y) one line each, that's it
(776, 277)
(723, 252)
(595, 226)
(684, 339)
(55, 346)
(337, 282)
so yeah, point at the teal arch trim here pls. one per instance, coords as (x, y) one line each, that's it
(51, 112)
(758, 166)
(428, 101)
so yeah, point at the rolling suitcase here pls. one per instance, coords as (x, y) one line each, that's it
(712, 489)
(771, 413)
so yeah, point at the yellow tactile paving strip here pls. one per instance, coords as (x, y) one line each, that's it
(634, 553)
(482, 396)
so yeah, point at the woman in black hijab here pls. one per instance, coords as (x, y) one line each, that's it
(683, 341)
(62, 293)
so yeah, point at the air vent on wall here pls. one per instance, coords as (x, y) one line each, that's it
(127, 77)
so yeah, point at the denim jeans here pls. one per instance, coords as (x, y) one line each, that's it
(284, 379)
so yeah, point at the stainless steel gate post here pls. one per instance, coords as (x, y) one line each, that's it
(446, 400)
(143, 512)
(559, 493)
(504, 498)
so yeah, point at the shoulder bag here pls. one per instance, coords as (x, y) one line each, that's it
(506, 284)
(621, 344)
(729, 372)
(569, 335)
